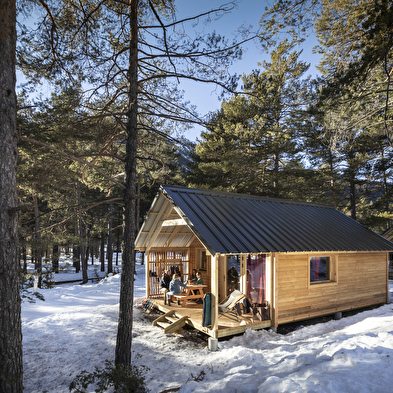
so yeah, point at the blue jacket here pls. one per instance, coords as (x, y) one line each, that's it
(174, 286)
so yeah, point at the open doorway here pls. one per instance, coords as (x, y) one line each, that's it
(233, 276)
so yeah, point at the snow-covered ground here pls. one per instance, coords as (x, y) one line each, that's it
(75, 327)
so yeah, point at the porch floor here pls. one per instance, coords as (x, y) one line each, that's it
(226, 326)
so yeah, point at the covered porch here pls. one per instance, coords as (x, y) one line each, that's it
(249, 274)
(170, 241)
(225, 326)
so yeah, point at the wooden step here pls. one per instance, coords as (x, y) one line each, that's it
(170, 322)
(163, 324)
(172, 319)
(174, 326)
(163, 317)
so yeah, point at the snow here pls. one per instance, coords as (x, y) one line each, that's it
(75, 327)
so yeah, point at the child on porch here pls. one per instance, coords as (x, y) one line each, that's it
(198, 279)
(174, 287)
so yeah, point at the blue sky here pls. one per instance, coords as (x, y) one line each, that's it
(247, 12)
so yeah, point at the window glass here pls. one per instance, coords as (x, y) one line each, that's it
(319, 269)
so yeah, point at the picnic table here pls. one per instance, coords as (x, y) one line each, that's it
(190, 292)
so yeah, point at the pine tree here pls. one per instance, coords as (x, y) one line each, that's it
(252, 142)
(125, 53)
(11, 365)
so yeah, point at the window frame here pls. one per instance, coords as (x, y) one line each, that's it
(201, 262)
(333, 277)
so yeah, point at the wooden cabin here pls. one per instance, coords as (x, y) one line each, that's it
(302, 260)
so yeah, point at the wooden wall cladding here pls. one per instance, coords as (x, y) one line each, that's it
(358, 280)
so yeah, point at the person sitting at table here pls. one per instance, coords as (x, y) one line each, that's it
(174, 288)
(193, 275)
(198, 280)
(165, 280)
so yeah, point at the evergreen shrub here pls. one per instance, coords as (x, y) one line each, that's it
(122, 379)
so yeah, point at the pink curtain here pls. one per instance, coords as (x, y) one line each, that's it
(315, 261)
(256, 277)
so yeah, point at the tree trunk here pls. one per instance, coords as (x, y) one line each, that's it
(352, 183)
(76, 258)
(11, 365)
(81, 235)
(102, 252)
(94, 250)
(124, 332)
(37, 237)
(24, 257)
(109, 248)
(138, 206)
(117, 245)
(332, 179)
(85, 277)
(55, 258)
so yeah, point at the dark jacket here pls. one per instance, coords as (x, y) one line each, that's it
(197, 280)
(165, 280)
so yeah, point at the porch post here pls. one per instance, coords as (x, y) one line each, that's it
(387, 278)
(243, 273)
(274, 279)
(214, 290)
(147, 277)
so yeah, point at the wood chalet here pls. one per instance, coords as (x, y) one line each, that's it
(287, 260)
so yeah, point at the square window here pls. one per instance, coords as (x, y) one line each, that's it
(319, 269)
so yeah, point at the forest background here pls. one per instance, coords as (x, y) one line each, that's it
(92, 153)
(280, 132)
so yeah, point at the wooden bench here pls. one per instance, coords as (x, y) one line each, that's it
(180, 298)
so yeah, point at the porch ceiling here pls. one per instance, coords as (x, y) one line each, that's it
(163, 227)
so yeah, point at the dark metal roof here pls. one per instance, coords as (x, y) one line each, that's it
(237, 223)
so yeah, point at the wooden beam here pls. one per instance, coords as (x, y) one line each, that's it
(174, 233)
(172, 223)
(147, 276)
(190, 242)
(156, 227)
(223, 269)
(214, 292)
(243, 273)
(387, 278)
(274, 278)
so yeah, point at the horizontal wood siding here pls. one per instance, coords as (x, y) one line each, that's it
(359, 280)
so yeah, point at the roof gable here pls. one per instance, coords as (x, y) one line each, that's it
(236, 223)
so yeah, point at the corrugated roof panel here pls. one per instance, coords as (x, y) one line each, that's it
(300, 220)
(236, 223)
(240, 224)
(293, 221)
